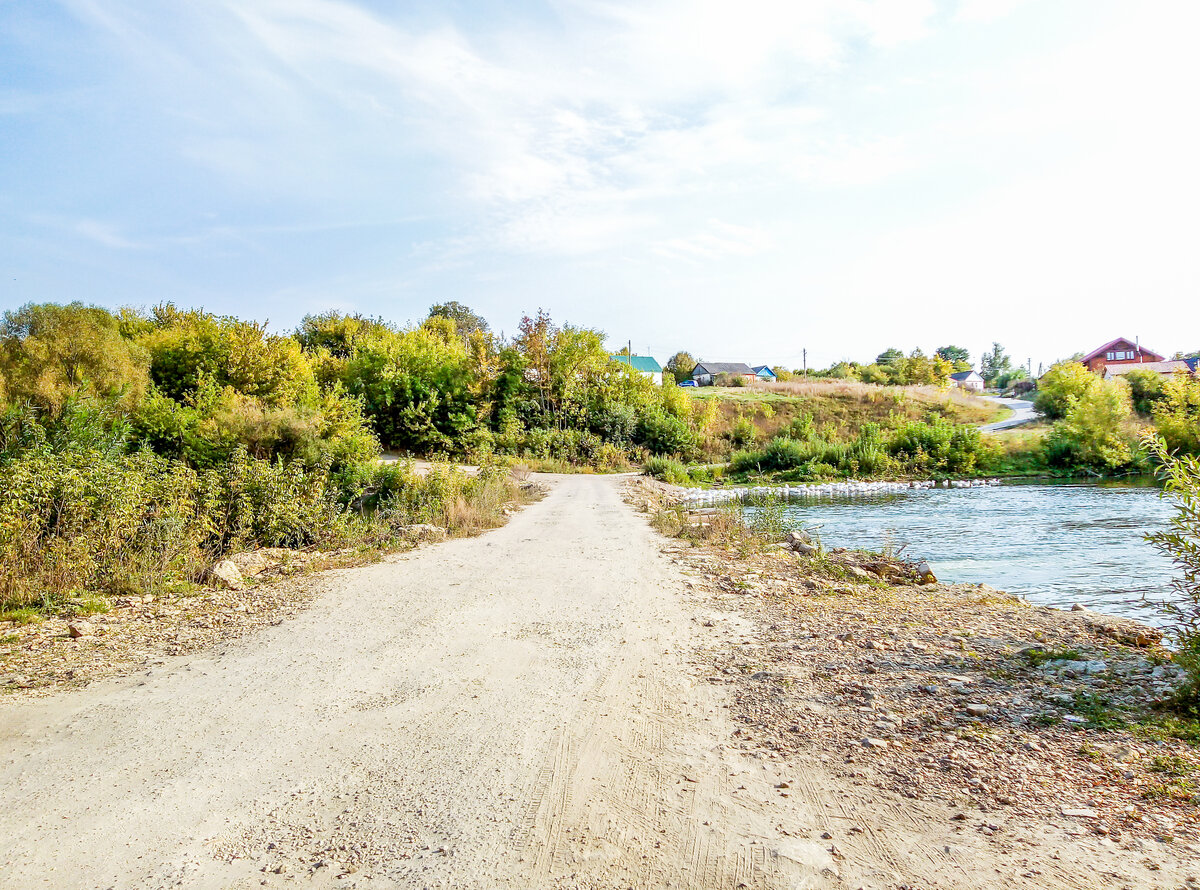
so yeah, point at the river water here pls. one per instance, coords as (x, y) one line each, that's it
(1054, 544)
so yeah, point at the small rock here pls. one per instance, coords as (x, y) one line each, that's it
(1079, 607)
(1079, 813)
(874, 743)
(423, 533)
(227, 575)
(977, 710)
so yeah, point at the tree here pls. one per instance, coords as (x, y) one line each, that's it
(680, 365)
(465, 321)
(1093, 433)
(339, 334)
(1005, 379)
(1061, 387)
(956, 355)
(888, 357)
(994, 363)
(50, 353)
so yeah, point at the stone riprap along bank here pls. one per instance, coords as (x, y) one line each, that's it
(700, 497)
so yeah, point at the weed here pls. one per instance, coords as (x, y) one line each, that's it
(1039, 657)
(1171, 765)
(22, 616)
(89, 605)
(9, 639)
(1179, 789)
(1165, 726)
(1096, 710)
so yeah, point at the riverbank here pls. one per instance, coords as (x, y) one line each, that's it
(1030, 725)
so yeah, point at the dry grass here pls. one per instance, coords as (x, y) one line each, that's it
(839, 408)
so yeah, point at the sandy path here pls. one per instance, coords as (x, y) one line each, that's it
(510, 710)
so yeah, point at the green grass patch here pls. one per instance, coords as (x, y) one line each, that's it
(24, 615)
(1171, 765)
(1039, 657)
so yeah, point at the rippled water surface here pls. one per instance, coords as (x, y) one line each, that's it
(1054, 544)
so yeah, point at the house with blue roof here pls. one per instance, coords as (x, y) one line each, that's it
(765, 373)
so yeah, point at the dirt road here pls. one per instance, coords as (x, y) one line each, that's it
(515, 710)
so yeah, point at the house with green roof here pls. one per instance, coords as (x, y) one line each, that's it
(645, 365)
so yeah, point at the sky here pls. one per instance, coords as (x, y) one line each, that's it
(745, 181)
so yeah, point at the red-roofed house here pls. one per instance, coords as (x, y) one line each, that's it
(1118, 355)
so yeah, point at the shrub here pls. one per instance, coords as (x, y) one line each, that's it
(82, 518)
(1145, 390)
(668, 470)
(1093, 434)
(50, 354)
(663, 433)
(1181, 542)
(1177, 413)
(743, 432)
(1061, 387)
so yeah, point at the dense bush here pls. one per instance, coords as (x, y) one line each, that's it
(1094, 433)
(1145, 390)
(50, 354)
(913, 448)
(1181, 543)
(668, 470)
(1062, 386)
(1177, 413)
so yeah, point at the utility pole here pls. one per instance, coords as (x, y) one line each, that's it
(804, 353)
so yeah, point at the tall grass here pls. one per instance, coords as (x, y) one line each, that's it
(100, 519)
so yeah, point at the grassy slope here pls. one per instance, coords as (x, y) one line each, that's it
(840, 406)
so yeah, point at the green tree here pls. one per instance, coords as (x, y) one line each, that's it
(1061, 387)
(680, 366)
(466, 322)
(888, 357)
(50, 354)
(189, 349)
(336, 333)
(415, 387)
(956, 355)
(994, 363)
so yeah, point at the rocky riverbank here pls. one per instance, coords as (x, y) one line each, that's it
(713, 496)
(1028, 724)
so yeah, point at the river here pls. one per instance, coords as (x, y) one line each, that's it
(1054, 544)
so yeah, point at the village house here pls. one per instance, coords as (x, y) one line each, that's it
(1119, 354)
(706, 373)
(968, 380)
(1168, 367)
(645, 365)
(765, 373)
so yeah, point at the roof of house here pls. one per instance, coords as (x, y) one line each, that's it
(1121, 341)
(1168, 367)
(964, 375)
(715, 368)
(758, 369)
(645, 363)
